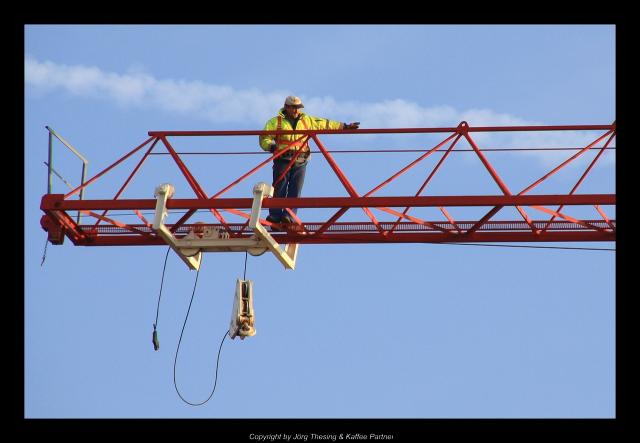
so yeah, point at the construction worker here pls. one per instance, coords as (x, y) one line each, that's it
(289, 118)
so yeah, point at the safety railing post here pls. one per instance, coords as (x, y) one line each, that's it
(85, 162)
(50, 164)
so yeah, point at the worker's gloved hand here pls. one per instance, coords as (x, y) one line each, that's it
(354, 125)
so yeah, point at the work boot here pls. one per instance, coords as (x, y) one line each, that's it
(295, 228)
(276, 223)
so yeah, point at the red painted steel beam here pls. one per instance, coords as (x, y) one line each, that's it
(412, 237)
(109, 168)
(582, 178)
(56, 202)
(438, 237)
(387, 131)
(58, 224)
(128, 180)
(189, 213)
(344, 180)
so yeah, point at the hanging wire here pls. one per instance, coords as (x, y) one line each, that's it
(156, 343)
(44, 254)
(175, 361)
(244, 276)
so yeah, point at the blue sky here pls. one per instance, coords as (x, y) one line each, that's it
(415, 330)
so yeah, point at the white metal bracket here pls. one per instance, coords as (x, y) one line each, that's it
(287, 256)
(163, 193)
(190, 247)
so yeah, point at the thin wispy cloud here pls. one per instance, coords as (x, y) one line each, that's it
(225, 104)
(141, 90)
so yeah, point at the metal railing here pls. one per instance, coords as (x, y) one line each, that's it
(85, 164)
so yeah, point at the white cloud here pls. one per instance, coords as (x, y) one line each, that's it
(222, 103)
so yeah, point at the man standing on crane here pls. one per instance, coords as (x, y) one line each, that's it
(290, 118)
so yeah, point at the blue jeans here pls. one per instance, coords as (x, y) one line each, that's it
(289, 187)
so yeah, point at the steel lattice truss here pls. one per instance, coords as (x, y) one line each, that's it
(553, 223)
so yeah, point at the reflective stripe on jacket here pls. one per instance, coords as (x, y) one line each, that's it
(293, 142)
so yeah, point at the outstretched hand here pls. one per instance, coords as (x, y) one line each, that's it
(353, 125)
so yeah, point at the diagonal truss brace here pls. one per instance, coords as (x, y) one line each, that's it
(190, 247)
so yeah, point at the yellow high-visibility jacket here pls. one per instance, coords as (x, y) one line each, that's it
(293, 142)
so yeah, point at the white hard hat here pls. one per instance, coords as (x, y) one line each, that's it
(292, 100)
